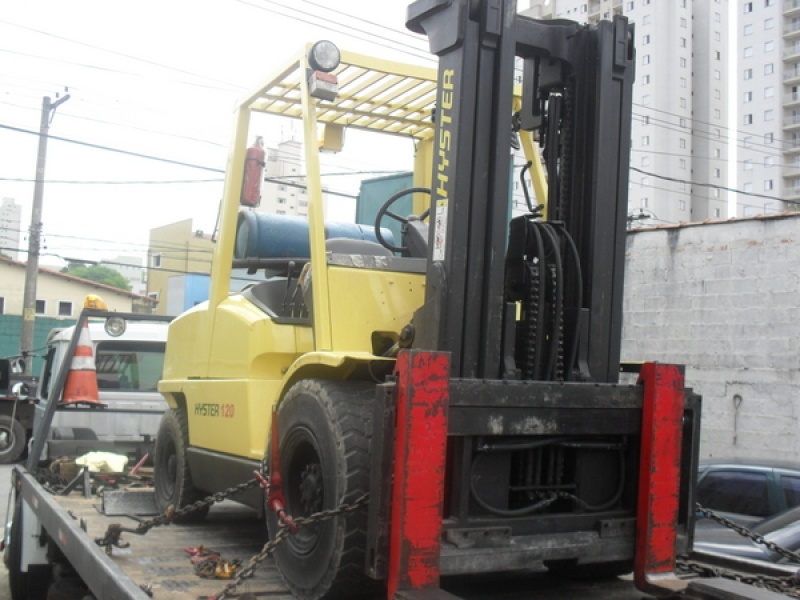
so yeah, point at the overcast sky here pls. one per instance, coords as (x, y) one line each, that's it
(161, 78)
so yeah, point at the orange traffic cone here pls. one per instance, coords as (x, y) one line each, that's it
(81, 384)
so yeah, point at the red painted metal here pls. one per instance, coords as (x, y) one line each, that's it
(423, 380)
(659, 476)
(272, 484)
(253, 174)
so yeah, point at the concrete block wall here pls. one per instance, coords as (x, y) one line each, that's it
(723, 299)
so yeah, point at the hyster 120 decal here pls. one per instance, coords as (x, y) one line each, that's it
(226, 411)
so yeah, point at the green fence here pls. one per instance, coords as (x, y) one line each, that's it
(10, 326)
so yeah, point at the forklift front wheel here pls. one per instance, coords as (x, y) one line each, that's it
(324, 463)
(172, 477)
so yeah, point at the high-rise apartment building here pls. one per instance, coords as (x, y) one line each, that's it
(680, 102)
(10, 227)
(769, 105)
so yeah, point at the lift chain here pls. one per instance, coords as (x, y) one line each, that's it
(284, 532)
(115, 530)
(788, 585)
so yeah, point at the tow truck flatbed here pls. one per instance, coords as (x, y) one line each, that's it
(157, 559)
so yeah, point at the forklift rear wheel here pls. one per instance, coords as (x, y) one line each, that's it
(324, 463)
(173, 480)
(12, 439)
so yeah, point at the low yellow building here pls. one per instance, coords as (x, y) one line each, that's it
(59, 295)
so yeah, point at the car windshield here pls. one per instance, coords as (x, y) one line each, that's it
(129, 366)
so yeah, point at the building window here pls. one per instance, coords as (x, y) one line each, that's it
(682, 122)
(646, 100)
(769, 92)
(64, 309)
(645, 181)
(682, 62)
(717, 36)
(769, 2)
(768, 138)
(748, 74)
(41, 307)
(645, 161)
(683, 102)
(717, 74)
(645, 39)
(748, 29)
(747, 187)
(717, 173)
(281, 188)
(646, 59)
(748, 7)
(646, 120)
(629, 6)
(155, 261)
(769, 161)
(682, 204)
(769, 114)
(747, 141)
(769, 46)
(718, 55)
(645, 140)
(717, 17)
(769, 69)
(769, 23)
(717, 94)
(646, 80)
(682, 142)
(153, 296)
(748, 165)
(646, 20)
(717, 114)
(682, 163)
(644, 202)
(281, 200)
(683, 42)
(717, 153)
(683, 22)
(717, 213)
(748, 52)
(683, 82)
(768, 185)
(748, 119)
(748, 97)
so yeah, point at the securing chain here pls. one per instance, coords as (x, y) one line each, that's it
(115, 530)
(787, 585)
(757, 538)
(318, 517)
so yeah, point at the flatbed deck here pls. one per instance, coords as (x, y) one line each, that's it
(157, 559)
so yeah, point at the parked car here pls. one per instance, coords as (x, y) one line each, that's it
(748, 491)
(782, 529)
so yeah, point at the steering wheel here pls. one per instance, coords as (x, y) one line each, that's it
(385, 212)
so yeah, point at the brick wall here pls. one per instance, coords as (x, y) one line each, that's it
(722, 298)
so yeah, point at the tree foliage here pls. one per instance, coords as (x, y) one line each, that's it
(100, 274)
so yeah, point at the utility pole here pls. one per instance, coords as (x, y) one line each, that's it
(34, 237)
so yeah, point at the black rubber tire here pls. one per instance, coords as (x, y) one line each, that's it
(15, 446)
(326, 424)
(172, 477)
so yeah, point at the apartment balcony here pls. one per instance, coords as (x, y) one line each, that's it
(791, 147)
(791, 74)
(791, 8)
(791, 99)
(790, 173)
(791, 31)
(791, 52)
(791, 123)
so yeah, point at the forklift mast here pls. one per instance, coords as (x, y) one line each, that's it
(563, 265)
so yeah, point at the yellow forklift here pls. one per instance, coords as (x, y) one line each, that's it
(454, 392)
